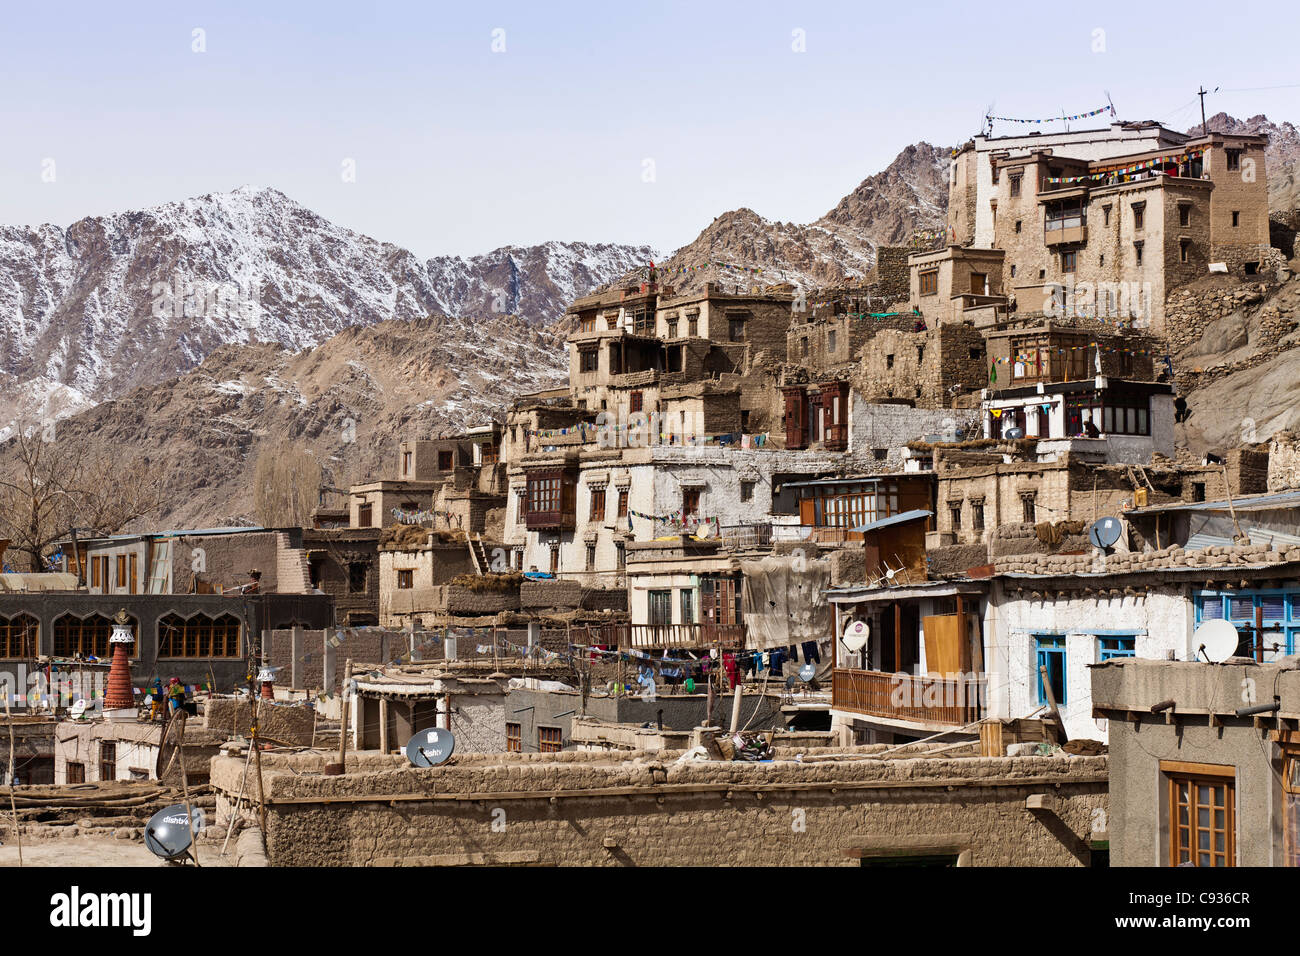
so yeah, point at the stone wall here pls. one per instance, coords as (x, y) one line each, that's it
(1224, 556)
(1284, 461)
(922, 366)
(1190, 311)
(557, 809)
(892, 272)
(291, 723)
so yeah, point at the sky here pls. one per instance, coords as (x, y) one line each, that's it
(456, 128)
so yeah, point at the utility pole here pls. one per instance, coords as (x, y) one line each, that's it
(1201, 93)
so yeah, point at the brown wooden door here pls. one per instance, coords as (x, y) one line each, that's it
(796, 435)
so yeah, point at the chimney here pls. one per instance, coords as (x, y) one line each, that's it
(119, 695)
(267, 676)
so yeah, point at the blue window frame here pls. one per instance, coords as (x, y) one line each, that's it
(1050, 653)
(1281, 615)
(1111, 647)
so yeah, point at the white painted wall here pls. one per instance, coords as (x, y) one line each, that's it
(1161, 618)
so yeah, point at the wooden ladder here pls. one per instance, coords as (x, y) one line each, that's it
(477, 553)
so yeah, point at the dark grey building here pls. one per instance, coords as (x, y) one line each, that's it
(199, 638)
(1193, 779)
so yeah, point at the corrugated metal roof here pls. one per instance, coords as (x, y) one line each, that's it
(1203, 540)
(902, 518)
(861, 479)
(1281, 499)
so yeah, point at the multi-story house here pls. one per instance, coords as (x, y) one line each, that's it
(1098, 223)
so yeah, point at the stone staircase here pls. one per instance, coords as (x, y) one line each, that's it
(292, 576)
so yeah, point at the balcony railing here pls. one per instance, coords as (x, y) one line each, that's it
(744, 536)
(955, 701)
(654, 636)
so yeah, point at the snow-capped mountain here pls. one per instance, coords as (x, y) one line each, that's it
(117, 301)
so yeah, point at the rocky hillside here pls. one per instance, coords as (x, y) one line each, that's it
(347, 401)
(114, 302)
(885, 209)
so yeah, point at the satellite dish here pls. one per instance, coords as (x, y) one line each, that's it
(78, 709)
(704, 530)
(856, 634)
(1216, 641)
(1105, 531)
(167, 834)
(1014, 433)
(807, 672)
(430, 747)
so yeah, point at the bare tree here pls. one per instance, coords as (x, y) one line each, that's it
(48, 487)
(286, 487)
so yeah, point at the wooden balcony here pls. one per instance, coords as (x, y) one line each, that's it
(1066, 235)
(916, 698)
(550, 520)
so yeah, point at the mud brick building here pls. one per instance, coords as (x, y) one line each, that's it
(202, 561)
(585, 810)
(1126, 215)
(344, 563)
(930, 368)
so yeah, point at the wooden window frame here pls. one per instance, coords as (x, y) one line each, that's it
(1291, 805)
(928, 282)
(405, 579)
(548, 744)
(199, 637)
(514, 738)
(19, 636)
(691, 501)
(1178, 772)
(597, 512)
(107, 760)
(71, 635)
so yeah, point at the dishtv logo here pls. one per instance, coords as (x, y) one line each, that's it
(75, 910)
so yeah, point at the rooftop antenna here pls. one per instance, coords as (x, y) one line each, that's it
(1110, 103)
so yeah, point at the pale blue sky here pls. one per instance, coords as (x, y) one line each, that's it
(459, 149)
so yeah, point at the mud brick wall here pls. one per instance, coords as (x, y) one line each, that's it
(604, 599)
(535, 594)
(955, 559)
(577, 812)
(461, 600)
(291, 723)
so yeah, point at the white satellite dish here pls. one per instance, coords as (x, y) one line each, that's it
(1216, 641)
(704, 530)
(855, 635)
(78, 709)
